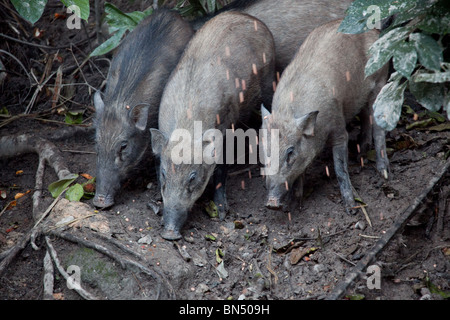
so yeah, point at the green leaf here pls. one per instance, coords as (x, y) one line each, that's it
(75, 192)
(430, 52)
(436, 77)
(437, 19)
(388, 105)
(219, 255)
(429, 95)
(211, 209)
(405, 59)
(362, 13)
(119, 23)
(30, 10)
(4, 111)
(117, 19)
(74, 117)
(210, 237)
(447, 105)
(57, 187)
(384, 48)
(412, 10)
(355, 296)
(109, 44)
(83, 6)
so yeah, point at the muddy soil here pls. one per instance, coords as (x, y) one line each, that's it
(255, 253)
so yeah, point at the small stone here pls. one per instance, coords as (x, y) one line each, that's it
(146, 240)
(202, 288)
(360, 225)
(319, 268)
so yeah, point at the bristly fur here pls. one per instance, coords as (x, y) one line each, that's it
(238, 5)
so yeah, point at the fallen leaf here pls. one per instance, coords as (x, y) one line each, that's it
(11, 205)
(222, 273)
(86, 175)
(210, 237)
(20, 194)
(19, 172)
(298, 253)
(219, 255)
(238, 224)
(446, 251)
(355, 297)
(211, 209)
(440, 127)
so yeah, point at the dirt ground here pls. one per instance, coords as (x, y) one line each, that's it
(256, 253)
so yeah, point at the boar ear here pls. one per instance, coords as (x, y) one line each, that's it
(98, 103)
(264, 112)
(159, 139)
(139, 115)
(307, 123)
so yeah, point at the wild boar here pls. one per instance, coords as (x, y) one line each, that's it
(320, 91)
(136, 79)
(226, 72)
(290, 21)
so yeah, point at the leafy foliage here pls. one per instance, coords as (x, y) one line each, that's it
(416, 41)
(31, 10)
(119, 23)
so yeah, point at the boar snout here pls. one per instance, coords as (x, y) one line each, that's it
(273, 203)
(173, 221)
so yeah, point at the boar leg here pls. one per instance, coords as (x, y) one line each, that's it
(366, 136)
(340, 159)
(220, 196)
(295, 198)
(379, 137)
(380, 149)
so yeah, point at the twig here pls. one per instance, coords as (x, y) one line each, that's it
(83, 293)
(48, 277)
(40, 45)
(362, 207)
(345, 259)
(182, 250)
(35, 229)
(341, 288)
(269, 265)
(444, 206)
(124, 262)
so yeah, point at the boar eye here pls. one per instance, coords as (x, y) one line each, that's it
(123, 146)
(192, 176)
(289, 153)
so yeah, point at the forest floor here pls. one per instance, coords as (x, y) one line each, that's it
(255, 253)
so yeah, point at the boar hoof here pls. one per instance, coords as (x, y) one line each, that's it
(171, 235)
(101, 201)
(384, 172)
(351, 211)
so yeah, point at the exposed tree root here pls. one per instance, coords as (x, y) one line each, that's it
(11, 146)
(342, 287)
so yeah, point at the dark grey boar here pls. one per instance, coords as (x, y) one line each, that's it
(136, 79)
(290, 21)
(226, 71)
(320, 91)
